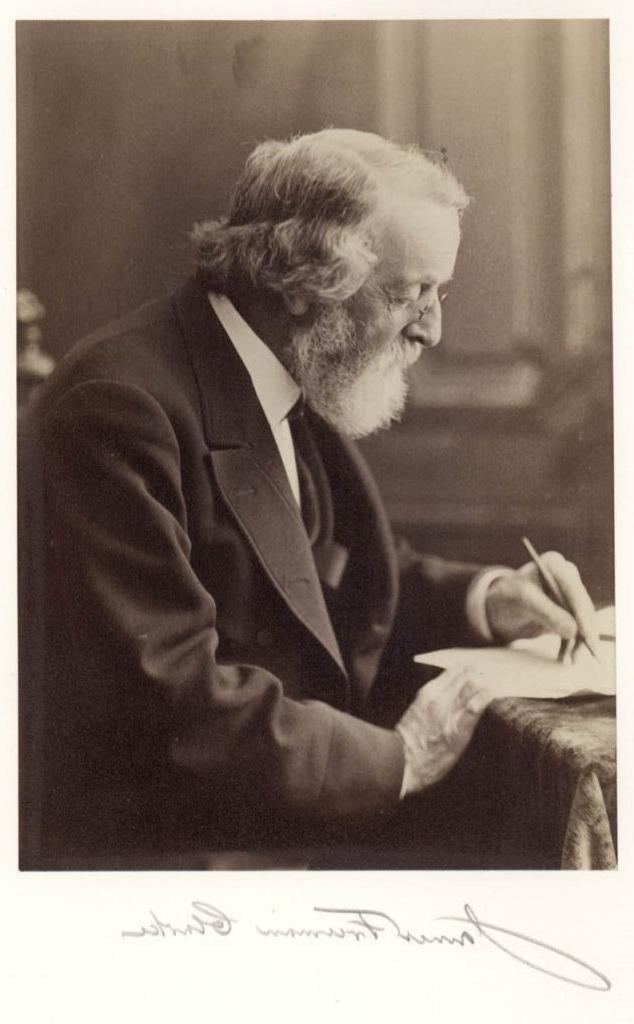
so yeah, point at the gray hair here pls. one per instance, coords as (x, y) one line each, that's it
(303, 217)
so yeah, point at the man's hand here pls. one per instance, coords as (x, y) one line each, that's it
(517, 606)
(438, 725)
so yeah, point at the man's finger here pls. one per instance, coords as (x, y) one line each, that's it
(474, 695)
(478, 701)
(451, 678)
(576, 596)
(551, 616)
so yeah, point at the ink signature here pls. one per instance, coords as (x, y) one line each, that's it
(375, 925)
(206, 919)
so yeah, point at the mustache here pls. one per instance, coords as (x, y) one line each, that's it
(338, 342)
(351, 385)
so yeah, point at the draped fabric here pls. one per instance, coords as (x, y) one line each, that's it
(558, 801)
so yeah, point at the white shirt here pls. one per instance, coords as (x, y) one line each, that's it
(277, 393)
(276, 390)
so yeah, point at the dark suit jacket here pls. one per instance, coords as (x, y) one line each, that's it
(183, 677)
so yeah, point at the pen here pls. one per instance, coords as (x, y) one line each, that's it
(552, 589)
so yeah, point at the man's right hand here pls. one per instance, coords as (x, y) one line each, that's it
(438, 725)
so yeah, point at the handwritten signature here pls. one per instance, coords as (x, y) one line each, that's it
(374, 925)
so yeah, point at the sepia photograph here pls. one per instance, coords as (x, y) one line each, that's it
(317, 538)
(316, 517)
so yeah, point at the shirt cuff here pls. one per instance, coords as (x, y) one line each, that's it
(405, 782)
(476, 601)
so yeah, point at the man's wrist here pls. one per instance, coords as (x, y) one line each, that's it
(476, 601)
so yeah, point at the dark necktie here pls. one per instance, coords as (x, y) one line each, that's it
(316, 501)
(313, 503)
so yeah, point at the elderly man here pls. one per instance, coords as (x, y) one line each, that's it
(219, 595)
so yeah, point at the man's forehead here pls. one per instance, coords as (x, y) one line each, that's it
(419, 241)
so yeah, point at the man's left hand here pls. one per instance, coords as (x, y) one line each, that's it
(517, 605)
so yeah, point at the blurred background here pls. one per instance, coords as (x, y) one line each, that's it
(129, 132)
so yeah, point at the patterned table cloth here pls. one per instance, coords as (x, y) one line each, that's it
(554, 801)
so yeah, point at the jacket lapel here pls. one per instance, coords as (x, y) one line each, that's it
(247, 466)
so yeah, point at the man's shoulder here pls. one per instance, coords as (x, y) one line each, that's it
(145, 349)
(139, 340)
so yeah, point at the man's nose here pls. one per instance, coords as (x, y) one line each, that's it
(428, 330)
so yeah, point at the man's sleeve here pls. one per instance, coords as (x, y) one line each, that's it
(431, 614)
(116, 508)
(432, 611)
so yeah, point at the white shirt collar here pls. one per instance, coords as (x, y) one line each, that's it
(276, 390)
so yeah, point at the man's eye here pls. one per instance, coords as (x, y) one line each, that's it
(443, 296)
(398, 299)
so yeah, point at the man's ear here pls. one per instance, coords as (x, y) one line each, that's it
(295, 304)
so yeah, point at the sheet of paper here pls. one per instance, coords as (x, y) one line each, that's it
(529, 668)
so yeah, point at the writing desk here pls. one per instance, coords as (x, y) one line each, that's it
(536, 789)
(537, 785)
(544, 773)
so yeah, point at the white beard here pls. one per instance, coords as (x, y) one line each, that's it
(355, 394)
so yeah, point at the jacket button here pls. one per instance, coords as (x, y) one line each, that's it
(265, 637)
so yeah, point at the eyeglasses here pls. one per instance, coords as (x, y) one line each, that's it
(440, 157)
(426, 308)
